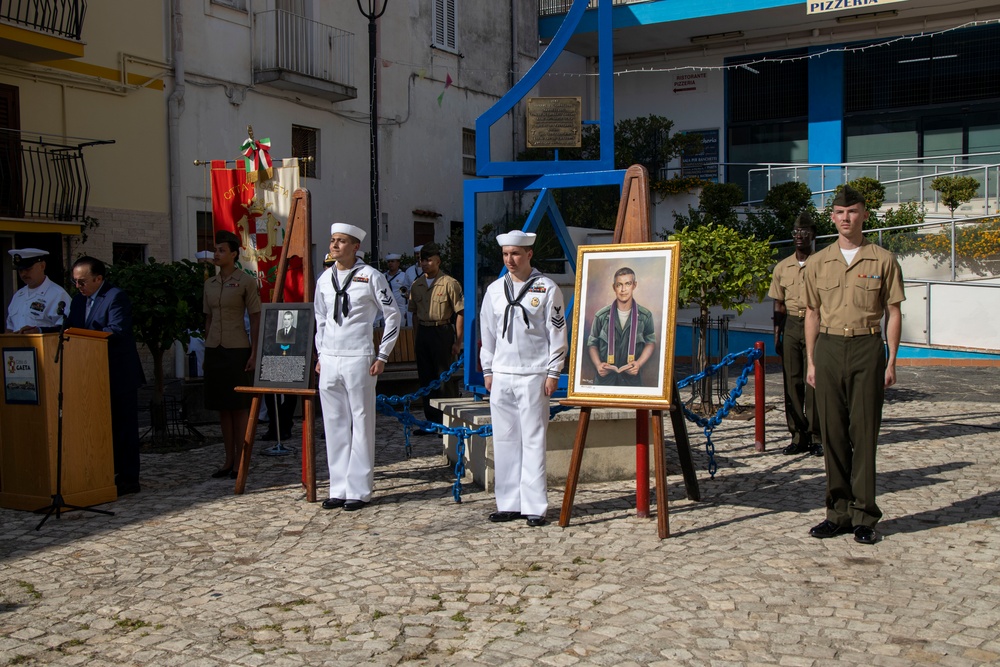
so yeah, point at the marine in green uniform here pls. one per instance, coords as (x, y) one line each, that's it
(788, 289)
(850, 286)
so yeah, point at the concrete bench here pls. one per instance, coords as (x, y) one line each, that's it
(610, 452)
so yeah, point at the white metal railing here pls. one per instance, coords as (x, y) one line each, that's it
(287, 41)
(904, 180)
(949, 278)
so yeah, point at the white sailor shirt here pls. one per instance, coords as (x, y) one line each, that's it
(400, 284)
(37, 307)
(351, 335)
(536, 347)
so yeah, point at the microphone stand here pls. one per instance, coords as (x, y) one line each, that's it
(58, 504)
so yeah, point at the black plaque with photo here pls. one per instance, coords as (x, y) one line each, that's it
(285, 350)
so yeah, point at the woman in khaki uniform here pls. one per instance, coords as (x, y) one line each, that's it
(229, 351)
(850, 286)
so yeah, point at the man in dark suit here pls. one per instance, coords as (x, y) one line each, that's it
(286, 334)
(101, 307)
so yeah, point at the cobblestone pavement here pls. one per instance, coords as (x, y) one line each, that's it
(186, 573)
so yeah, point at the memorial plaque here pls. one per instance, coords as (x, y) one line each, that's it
(285, 346)
(554, 122)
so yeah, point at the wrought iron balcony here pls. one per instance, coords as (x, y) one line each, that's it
(43, 177)
(44, 29)
(298, 54)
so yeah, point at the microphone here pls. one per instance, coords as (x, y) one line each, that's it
(61, 309)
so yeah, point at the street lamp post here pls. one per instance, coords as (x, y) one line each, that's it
(373, 14)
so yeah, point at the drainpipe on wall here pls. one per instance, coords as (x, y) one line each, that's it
(175, 107)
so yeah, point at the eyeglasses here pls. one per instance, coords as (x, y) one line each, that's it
(80, 282)
(802, 232)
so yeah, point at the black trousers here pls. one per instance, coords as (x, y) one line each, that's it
(800, 399)
(433, 349)
(125, 434)
(284, 411)
(850, 390)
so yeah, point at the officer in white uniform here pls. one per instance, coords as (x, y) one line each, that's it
(349, 296)
(523, 327)
(400, 285)
(40, 305)
(415, 271)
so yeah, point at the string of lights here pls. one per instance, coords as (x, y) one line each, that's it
(423, 67)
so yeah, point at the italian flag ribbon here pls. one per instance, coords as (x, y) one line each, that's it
(633, 321)
(257, 154)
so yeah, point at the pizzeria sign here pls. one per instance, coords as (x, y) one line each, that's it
(821, 6)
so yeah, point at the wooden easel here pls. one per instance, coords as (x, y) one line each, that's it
(633, 226)
(298, 243)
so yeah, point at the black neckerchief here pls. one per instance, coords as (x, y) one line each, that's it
(342, 302)
(512, 302)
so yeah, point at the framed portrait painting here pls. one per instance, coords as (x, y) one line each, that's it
(622, 350)
(285, 347)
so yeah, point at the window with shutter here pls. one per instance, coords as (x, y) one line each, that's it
(445, 27)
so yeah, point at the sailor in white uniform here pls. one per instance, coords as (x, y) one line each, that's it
(523, 328)
(41, 304)
(400, 285)
(414, 271)
(349, 296)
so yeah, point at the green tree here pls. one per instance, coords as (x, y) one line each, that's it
(955, 190)
(718, 267)
(166, 307)
(644, 140)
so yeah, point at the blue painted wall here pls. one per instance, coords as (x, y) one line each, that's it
(661, 11)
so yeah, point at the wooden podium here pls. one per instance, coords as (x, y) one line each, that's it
(29, 432)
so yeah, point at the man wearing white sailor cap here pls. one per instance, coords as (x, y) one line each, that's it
(349, 297)
(523, 329)
(414, 271)
(399, 283)
(41, 304)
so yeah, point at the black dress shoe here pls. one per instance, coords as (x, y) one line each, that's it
(817, 449)
(269, 435)
(422, 432)
(354, 505)
(536, 521)
(222, 472)
(865, 535)
(286, 436)
(795, 448)
(828, 529)
(333, 503)
(502, 517)
(128, 487)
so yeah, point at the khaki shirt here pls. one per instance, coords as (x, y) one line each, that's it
(226, 301)
(437, 303)
(788, 285)
(854, 296)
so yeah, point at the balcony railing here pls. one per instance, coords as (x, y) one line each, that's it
(43, 177)
(550, 7)
(287, 42)
(58, 17)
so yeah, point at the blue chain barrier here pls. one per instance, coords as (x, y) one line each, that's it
(386, 405)
(709, 424)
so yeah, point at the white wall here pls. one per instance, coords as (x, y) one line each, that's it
(420, 141)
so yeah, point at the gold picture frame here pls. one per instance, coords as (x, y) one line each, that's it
(640, 375)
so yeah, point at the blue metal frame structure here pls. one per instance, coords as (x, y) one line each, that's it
(541, 175)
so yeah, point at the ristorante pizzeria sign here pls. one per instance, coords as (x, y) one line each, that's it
(820, 6)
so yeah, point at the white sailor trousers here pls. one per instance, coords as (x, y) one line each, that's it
(347, 397)
(520, 412)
